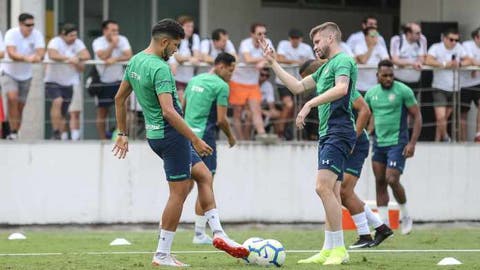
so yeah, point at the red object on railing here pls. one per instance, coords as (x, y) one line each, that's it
(2, 113)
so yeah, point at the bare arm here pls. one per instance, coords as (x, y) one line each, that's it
(54, 55)
(293, 84)
(283, 60)
(123, 93)
(83, 55)
(363, 114)
(224, 125)
(107, 53)
(39, 54)
(14, 55)
(252, 60)
(432, 61)
(363, 58)
(414, 111)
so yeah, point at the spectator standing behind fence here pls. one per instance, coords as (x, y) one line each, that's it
(291, 52)
(408, 50)
(346, 49)
(24, 44)
(210, 48)
(448, 54)
(270, 111)
(244, 88)
(60, 79)
(111, 47)
(189, 51)
(371, 52)
(358, 37)
(470, 83)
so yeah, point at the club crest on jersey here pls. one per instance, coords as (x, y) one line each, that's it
(391, 97)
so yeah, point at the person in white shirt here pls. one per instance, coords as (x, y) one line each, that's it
(269, 109)
(290, 52)
(61, 78)
(358, 37)
(25, 45)
(346, 49)
(210, 48)
(470, 85)
(2, 46)
(370, 52)
(446, 55)
(2, 114)
(189, 51)
(244, 88)
(409, 50)
(111, 47)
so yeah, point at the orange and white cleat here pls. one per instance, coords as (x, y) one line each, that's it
(231, 247)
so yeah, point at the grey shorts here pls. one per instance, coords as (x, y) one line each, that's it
(9, 84)
(442, 98)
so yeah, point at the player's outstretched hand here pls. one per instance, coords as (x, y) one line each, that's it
(202, 148)
(120, 148)
(409, 150)
(268, 52)
(300, 121)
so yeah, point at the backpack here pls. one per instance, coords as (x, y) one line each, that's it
(92, 83)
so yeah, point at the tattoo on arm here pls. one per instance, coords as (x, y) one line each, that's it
(342, 79)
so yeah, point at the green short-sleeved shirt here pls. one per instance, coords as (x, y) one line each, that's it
(390, 110)
(202, 96)
(336, 117)
(149, 76)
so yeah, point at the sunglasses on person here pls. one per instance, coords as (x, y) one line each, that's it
(454, 39)
(264, 75)
(261, 33)
(29, 24)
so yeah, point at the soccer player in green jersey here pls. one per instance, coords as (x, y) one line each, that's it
(206, 104)
(150, 77)
(391, 102)
(334, 82)
(362, 215)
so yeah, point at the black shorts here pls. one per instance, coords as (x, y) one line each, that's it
(469, 94)
(106, 94)
(283, 91)
(442, 98)
(55, 90)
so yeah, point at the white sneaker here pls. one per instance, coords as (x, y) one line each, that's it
(406, 225)
(12, 136)
(234, 249)
(202, 239)
(160, 259)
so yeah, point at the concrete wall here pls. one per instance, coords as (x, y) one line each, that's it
(82, 182)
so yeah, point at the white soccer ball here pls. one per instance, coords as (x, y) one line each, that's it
(252, 244)
(271, 253)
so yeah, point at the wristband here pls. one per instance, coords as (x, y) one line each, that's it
(122, 134)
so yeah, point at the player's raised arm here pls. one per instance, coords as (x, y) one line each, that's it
(293, 84)
(177, 122)
(120, 148)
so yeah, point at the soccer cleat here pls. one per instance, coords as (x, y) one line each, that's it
(382, 233)
(338, 256)
(202, 239)
(160, 259)
(362, 242)
(406, 225)
(318, 258)
(234, 249)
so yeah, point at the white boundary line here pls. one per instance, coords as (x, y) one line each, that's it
(215, 251)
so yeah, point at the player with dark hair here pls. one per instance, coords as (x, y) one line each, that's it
(150, 77)
(206, 105)
(390, 102)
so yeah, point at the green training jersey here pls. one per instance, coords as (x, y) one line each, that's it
(390, 109)
(202, 96)
(363, 138)
(149, 76)
(335, 118)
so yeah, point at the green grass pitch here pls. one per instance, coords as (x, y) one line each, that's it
(84, 248)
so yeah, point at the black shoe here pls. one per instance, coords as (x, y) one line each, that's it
(56, 135)
(362, 242)
(382, 233)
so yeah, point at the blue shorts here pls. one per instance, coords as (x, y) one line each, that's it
(211, 160)
(177, 154)
(354, 163)
(392, 156)
(332, 155)
(106, 94)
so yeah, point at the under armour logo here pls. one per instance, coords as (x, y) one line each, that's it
(326, 162)
(393, 163)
